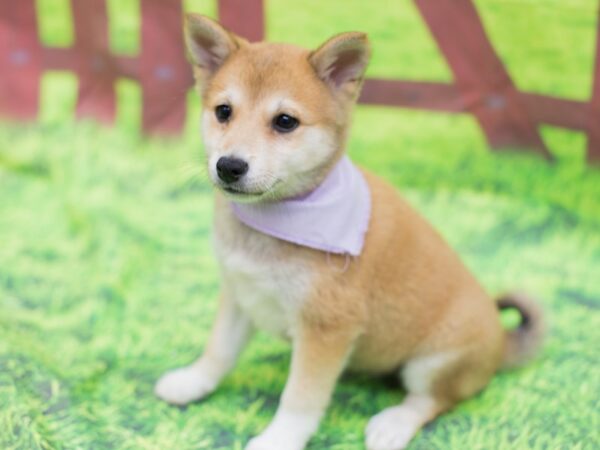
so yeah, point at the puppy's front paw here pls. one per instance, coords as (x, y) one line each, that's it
(258, 443)
(184, 385)
(392, 429)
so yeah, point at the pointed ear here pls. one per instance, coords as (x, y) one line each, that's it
(342, 60)
(208, 43)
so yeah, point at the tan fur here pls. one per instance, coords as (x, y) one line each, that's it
(407, 304)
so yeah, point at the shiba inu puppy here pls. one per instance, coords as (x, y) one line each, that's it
(325, 255)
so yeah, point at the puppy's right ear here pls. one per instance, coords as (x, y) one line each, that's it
(208, 43)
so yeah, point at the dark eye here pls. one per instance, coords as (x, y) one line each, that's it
(223, 113)
(284, 123)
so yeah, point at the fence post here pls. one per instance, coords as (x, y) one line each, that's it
(593, 151)
(244, 17)
(20, 60)
(487, 89)
(96, 67)
(165, 76)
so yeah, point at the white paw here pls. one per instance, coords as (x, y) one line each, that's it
(184, 385)
(392, 429)
(287, 431)
(258, 443)
(266, 442)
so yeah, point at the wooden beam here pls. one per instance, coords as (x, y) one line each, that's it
(479, 74)
(244, 17)
(593, 129)
(95, 66)
(412, 94)
(165, 75)
(20, 61)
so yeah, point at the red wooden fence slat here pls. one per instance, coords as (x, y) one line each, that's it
(593, 153)
(483, 87)
(55, 58)
(95, 66)
(164, 74)
(486, 85)
(443, 97)
(129, 67)
(412, 94)
(20, 62)
(244, 17)
(559, 112)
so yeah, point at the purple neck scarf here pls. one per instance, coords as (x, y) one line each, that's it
(333, 218)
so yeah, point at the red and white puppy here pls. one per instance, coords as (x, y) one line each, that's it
(407, 305)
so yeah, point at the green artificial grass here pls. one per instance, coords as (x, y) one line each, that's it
(107, 278)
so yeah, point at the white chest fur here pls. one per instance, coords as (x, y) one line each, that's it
(269, 287)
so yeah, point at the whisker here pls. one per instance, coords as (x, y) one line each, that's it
(193, 173)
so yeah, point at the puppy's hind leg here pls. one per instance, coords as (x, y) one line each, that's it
(393, 428)
(230, 334)
(434, 384)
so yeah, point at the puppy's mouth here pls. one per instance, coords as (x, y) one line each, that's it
(237, 191)
(247, 193)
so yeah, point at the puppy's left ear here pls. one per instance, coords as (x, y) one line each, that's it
(342, 60)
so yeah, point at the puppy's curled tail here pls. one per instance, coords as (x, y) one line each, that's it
(523, 342)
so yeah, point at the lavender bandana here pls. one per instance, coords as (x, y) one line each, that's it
(333, 218)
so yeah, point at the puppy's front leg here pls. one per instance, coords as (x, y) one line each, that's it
(319, 356)
(230, 334)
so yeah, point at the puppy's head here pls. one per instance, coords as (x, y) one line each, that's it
(275, 116)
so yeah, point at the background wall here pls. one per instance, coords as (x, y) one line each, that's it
(106, 272)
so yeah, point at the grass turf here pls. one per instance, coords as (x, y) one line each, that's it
(107, 280)
(107, 277)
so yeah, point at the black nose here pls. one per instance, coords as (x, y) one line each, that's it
(231, 169)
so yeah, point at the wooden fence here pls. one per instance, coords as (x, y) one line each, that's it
(482, 86)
